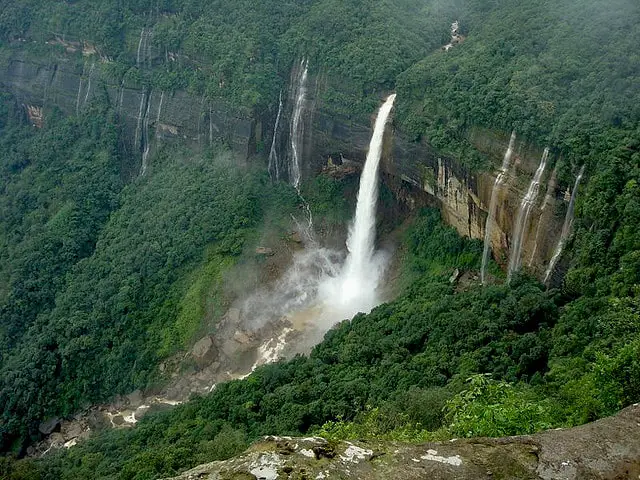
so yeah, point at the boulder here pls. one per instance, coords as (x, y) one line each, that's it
(134, 399)
(264, 251)
(204, 351)
(49, 426)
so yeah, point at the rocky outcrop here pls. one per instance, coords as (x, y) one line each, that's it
(605, 450)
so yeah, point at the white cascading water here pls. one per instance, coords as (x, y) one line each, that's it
(296, 133)
(86, 97)
(566, 229)
(159, 110)
(141, 46)
(136, 136)
(529, 200)
(360, 276)
(146, 143)
(121, 98)
(323, 287)
(274, 169)
(493, 205)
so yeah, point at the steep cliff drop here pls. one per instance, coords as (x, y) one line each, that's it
(146, 143)
(274, 169)
(296, 143)
(566, 230)
(296, 133)
(548, 200)
(493, 205)
(357, 287)
(529, 200)
(323, 287)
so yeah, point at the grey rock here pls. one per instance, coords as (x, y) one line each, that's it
(204, 351)
(607, 449)
(48, 426)
(135, 399)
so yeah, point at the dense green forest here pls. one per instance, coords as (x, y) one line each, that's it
(99, 271)
(410, 359)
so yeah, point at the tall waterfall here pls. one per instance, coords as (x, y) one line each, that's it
(493, 205)
(274, 170)
(529, 200)
(136, 137)
(355, 288)
(143, 53)
(146, 143)
(363, 232)
(86, 96)
(296, 134)
(323, 287)
(566, 229)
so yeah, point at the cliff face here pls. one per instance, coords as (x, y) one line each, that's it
(70, 84)
(417, 173)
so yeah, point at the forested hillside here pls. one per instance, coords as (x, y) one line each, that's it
(103, 275)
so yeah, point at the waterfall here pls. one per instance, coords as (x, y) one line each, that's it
(86, 97)
(547, 201)
(141, 48)
(358, 281)
(121, 96)
(493, 205)
(136, 137)
(78, 95)
(296, 134)
(323, 287)
(159, 109)
(274, 170)
(566, 229)
(515, 260)
(146, 144)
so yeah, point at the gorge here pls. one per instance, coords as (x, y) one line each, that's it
(371, 222)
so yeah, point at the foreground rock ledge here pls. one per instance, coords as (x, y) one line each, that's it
(606, 449)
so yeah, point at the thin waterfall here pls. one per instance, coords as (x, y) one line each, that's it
(136, 137)
(493, 205)
(79, 94)
(159, 109)
(296, 134)
(529, 200)
(146, 144)
(547, 201)
(121, 96)
(141, 49)
(274, 170)
(322, 287)
(86, 97)
(566, 229)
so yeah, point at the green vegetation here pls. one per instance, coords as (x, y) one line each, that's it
(241, 51)
(102, 277)
(103, 281)
(398, 373)
(562, 75)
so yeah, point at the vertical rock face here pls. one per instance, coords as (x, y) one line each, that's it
(421, 176)
(63, 84)
(415, 171)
